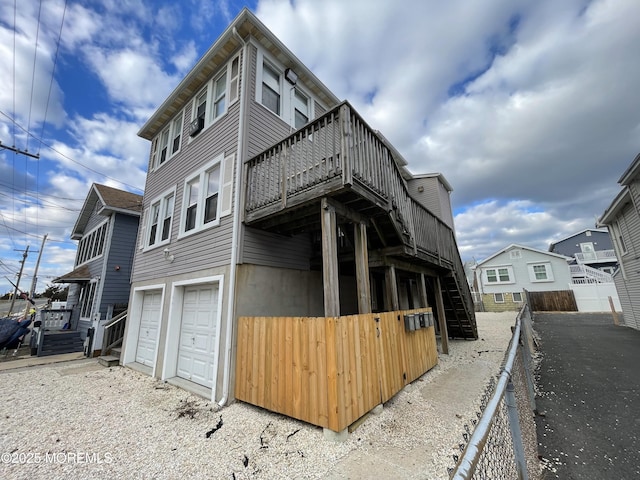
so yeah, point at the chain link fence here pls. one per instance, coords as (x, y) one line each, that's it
(501, 442)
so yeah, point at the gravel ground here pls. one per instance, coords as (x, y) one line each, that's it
(80, 420)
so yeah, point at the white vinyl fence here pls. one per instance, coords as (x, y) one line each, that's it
(594, 297)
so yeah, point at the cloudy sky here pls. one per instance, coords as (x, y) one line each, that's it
(530, 108)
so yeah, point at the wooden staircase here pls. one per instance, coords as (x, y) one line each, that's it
(458, 312)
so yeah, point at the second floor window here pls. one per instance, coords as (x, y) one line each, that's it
(92, 244)
(161, 214)
(201, 208)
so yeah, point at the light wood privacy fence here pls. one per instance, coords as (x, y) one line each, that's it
(330, 371)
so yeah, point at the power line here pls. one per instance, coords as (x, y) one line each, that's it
(53, 70)
(33, 73)
(65, 156)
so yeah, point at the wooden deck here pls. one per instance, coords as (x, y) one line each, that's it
(330, 371)
(339, 160)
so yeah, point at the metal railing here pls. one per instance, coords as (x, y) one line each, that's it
(503, 442)
(114, 332)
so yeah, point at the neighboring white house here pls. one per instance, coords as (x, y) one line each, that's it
(502, 277)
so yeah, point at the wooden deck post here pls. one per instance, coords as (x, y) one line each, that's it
(423, 291)
(362, 268)
(442, 320)
(330, 278)
(391, 288)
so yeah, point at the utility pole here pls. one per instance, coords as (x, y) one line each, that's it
(32, 290)
(15, 292)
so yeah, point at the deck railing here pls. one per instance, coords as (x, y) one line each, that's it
(339, 150)
(596, 256)
(585, 271)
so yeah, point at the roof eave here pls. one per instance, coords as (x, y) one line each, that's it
(616, 205)
(227, 41)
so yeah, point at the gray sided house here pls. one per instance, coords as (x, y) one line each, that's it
(590, 248)
(622, 218)
(268, 196)
(99, 285)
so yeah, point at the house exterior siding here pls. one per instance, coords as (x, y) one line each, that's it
(117, 271)
(432, 193)
(622, 218)
(210, 247)
(628, 281)
(518, 261)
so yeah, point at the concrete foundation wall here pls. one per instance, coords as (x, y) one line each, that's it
(279, 292)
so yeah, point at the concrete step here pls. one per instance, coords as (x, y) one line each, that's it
(109, 360)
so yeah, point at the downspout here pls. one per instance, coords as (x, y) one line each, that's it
(236, 226)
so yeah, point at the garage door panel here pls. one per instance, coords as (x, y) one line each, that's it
(149, 325)
(196, 360)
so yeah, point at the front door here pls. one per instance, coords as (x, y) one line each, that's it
(196, 350)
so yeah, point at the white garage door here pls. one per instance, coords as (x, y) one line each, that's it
(196, 360)
(149, 324)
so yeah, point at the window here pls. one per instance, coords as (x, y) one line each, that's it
(513, 254)
(219, 96)
(176, 130)
(213, 101)
(292, 103)
(540, 272)
(618, 235)
(92, 244)
(517, 297)
(498, 297)
(161, 148)
(87, 295)
(270, 88)
(201, 104)
(159, 221)
(300, 109)
(192, 193)
(211, 196)
(201, 208)
(499, 275)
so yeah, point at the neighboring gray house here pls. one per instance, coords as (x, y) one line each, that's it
(268, 196)
(106, 230)
(503, 276)
(622, 218)
(590, 249)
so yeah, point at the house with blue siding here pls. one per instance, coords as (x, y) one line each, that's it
(266, 195)
(99, 284)
(590, 249)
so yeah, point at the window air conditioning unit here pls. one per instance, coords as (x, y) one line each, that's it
(196, 126)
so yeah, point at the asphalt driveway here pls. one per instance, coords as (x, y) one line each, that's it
(589, 382)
